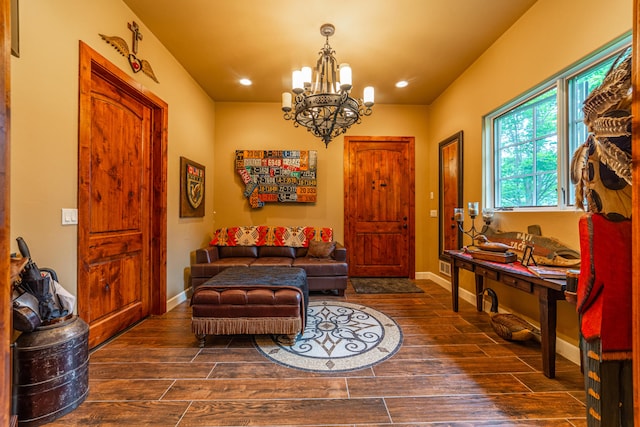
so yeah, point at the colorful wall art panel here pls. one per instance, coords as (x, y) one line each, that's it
(277, 176)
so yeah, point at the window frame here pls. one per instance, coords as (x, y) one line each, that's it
(561, 83)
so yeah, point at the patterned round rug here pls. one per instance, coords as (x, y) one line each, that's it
(339, 337)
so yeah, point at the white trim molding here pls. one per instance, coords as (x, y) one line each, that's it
(178, 299)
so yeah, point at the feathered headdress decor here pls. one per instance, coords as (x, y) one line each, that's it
(121, 46)
(601, 167)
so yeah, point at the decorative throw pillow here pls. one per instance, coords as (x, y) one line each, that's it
(320, 249)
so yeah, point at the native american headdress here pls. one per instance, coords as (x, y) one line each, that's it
(601, 167)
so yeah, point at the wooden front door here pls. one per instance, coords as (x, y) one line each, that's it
(379, 206)
(116, 201)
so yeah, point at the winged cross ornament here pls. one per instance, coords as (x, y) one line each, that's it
(122, 47)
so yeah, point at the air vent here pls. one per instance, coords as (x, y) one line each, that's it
(445, 268)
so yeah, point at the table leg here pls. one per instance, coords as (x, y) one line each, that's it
(548, 316)
(454, 286)
(479, 289)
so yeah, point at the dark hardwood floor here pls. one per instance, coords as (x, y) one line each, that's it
(452, 370)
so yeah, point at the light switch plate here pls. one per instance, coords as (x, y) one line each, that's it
(69, 216)
(434, 213)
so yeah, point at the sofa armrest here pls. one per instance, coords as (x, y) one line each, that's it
(340, 253)
(206, 255)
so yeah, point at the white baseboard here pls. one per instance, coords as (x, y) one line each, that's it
(178, 299)
(563, 348)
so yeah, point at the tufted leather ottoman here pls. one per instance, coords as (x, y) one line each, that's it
(258, 300)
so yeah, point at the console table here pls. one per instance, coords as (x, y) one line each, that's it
(516, 276)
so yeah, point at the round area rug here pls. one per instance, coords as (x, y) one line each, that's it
(339, 337)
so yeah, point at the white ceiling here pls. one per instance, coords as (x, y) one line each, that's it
(427, 42)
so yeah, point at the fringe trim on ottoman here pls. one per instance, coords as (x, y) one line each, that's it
(246, 325)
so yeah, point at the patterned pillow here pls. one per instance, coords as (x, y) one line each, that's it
(267, 235)
(320, 249)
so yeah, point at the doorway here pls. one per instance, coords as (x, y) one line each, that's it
(379, 206)
(122, 170)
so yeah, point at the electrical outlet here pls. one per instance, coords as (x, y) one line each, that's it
(69, 216)
(434, 213)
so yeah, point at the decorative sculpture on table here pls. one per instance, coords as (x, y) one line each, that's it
(507, 325)
(484, 244)
(481, 247)
(472, 207)
(542, 250)
(509, 246)
(601, 170)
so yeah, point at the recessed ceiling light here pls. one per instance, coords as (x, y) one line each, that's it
(246, 82)
(402, 83)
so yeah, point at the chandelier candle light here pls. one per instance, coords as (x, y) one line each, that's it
(323, 105)
(472, 207)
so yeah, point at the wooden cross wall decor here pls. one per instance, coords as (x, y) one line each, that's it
(137, 35)
(121, 46)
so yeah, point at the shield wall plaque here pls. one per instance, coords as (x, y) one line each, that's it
(192, 180)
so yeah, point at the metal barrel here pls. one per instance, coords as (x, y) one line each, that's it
(52, 371)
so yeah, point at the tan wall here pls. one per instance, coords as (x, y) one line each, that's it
(550, 37)
(260, 126)
(44, 117)
(44, 131)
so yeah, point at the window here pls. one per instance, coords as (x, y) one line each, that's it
(530, 141)
(526, 141)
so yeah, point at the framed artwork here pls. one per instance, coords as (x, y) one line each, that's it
(450, 193)
(279, 176)
(527, 256)
(191, 188)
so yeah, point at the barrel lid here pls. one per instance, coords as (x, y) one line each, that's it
(52, 335)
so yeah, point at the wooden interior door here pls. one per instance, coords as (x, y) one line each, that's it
(116, 202)
(379, 206)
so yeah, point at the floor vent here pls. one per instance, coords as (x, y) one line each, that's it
(445, 268)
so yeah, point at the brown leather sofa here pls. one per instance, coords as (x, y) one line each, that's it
(323, 274)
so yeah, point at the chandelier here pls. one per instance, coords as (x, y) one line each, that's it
(324, 105)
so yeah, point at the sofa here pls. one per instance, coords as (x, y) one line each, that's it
(310, 248)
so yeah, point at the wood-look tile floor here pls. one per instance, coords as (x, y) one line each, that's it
(452, 370)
